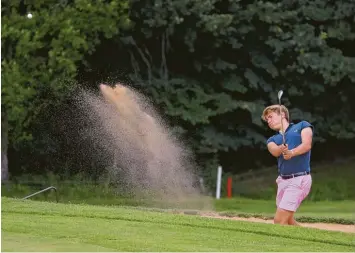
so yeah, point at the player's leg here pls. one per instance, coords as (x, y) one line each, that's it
(292, 221)
(295, 192)
(305, 188)
(281, 215)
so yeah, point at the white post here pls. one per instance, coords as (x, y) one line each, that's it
(219, 178)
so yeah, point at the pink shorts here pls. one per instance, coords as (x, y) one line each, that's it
(291, 192)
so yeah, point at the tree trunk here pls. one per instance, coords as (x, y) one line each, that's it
(4, 145)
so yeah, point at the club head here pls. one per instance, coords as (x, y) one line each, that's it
(279, 94)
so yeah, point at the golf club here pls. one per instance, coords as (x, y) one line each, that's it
(279, 95)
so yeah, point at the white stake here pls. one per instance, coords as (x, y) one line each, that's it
(219, 178)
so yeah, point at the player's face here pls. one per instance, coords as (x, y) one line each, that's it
(274, 121)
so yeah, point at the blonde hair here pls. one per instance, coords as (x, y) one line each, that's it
(275, 108)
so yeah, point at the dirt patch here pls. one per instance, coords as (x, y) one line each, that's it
(323, 226)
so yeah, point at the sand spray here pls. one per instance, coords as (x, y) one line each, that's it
(145, 157)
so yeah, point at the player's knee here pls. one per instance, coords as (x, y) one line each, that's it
(277, 220)
(281, 220)
(282, 217)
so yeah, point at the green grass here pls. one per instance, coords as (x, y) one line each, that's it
(42, 226)
(309, 211)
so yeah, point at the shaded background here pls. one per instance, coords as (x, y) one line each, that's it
(209, 67)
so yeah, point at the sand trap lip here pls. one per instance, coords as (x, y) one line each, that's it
(215, 215)
(323, 226)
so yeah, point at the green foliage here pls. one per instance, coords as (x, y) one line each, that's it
(41, 55)
(209, 66)
(214, 66)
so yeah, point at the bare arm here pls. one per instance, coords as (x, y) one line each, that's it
(274, 149)
(306, 144)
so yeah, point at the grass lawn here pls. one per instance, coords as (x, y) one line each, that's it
(42, 226)
(326, 211)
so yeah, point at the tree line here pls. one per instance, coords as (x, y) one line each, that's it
(209, 66)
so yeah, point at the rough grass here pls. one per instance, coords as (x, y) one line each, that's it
(42, 226)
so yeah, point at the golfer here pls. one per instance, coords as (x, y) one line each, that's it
(294, 180)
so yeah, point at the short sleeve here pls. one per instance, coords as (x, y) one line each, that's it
(306, 124)
(271, 139)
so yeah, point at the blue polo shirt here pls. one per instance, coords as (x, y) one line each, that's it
(293, 138)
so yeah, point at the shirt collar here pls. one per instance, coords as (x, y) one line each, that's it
(288, 128)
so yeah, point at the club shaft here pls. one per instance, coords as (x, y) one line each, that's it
(282, 128)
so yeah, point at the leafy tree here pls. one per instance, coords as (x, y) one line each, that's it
(214, 65)
(210, 66)
(41, 56)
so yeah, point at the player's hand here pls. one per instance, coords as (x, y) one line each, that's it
(287, 154)
(283, 147)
